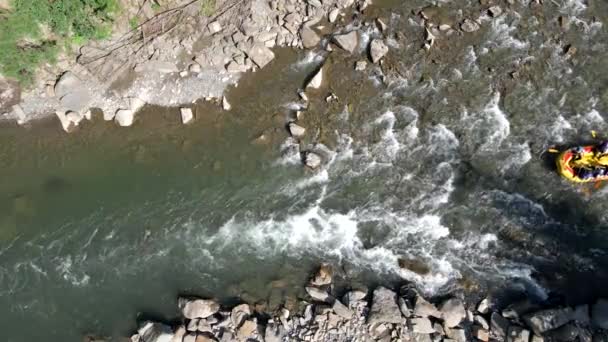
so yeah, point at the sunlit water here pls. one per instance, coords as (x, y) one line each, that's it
(440, 169)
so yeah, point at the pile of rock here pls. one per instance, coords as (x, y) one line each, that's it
(386, 315)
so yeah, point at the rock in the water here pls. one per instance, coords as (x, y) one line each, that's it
(599, 314)
(495, 11)
(422, 325)
(469, 26)
(360, 65)
(197, 308)
(124, 117)
(155, 332)
(261, 55)
(296, 131)
(341, 310)
(323, 275)
(498, 325)
(424, 309)
(354, 297)
(186, 114)
(517, 334)
(312, 160)
(225, 104)
(377, 50)
(316, 81)
(384, 307)
(545, 320)
(310, 38)
(317, 294)
(214, 27)
(347, 41)
(452, 312)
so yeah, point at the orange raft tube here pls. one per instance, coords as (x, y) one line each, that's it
(583, 164)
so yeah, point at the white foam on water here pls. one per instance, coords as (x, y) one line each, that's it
(310, 57)
(500, 35)
(558, 129)
(290, 153)
(490, 126)
(572, 7)
(65, 269)
(390, 146)
(517, 156)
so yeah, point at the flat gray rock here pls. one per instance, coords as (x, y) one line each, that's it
(452, 312)
(545, 320)
(347, 41)
(260, 55)
(384, 307)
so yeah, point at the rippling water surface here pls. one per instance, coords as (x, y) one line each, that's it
(434, 173)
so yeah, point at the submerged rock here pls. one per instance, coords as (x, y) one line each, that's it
(197, 308)
(312, 160)
(545, 320)
(360, 65)
(316, 81)
(347, 41)
(377, 50)
(296, 131)
(384, 307)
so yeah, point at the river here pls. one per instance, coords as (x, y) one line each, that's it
(435, 173)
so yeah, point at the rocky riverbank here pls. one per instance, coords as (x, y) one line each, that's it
(174, 57)
(380, 314)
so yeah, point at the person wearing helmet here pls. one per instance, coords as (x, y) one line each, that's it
(602, 148)
(601, 153)
(599, 172)
(584, 173)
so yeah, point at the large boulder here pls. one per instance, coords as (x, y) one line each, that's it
(310, 38)
(452, 312)
(323, 275)
(155, 332)
(239, 314)
(197, 308)
(298, 131)
(377, 50)
(347, 41)
(341, 310)
(124, 117)
(72, 93)
(312, 160)
(545, 320)
(260, 54)
(384, 307)
(317, 294)
(599, 314)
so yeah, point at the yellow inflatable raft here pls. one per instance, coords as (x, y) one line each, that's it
(583, 164)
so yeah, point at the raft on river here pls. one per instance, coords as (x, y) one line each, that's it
(583, 164)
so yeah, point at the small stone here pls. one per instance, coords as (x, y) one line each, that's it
(303, 95)
(197, 308)
(124, 117)
(481, 333)
(425, 309)
(194, 68)
(239, 314)
(360, 65)
(313, 161)
(333, 15)
(384, 307)
(381, 25)
(186, 114)
(347, 41)
(495, 11)
(295, 130)
(225, 104)
(469, 26)
(422, 325)
(309, 37)
(316, 81)
(341, 310)
(214, 27)
(377, 50)
(444, 27)
(452, 312)
(484, 306)
(518, 334)
(315, 293)
(247, 330)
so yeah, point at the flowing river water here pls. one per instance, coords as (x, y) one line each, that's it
(437, 175)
